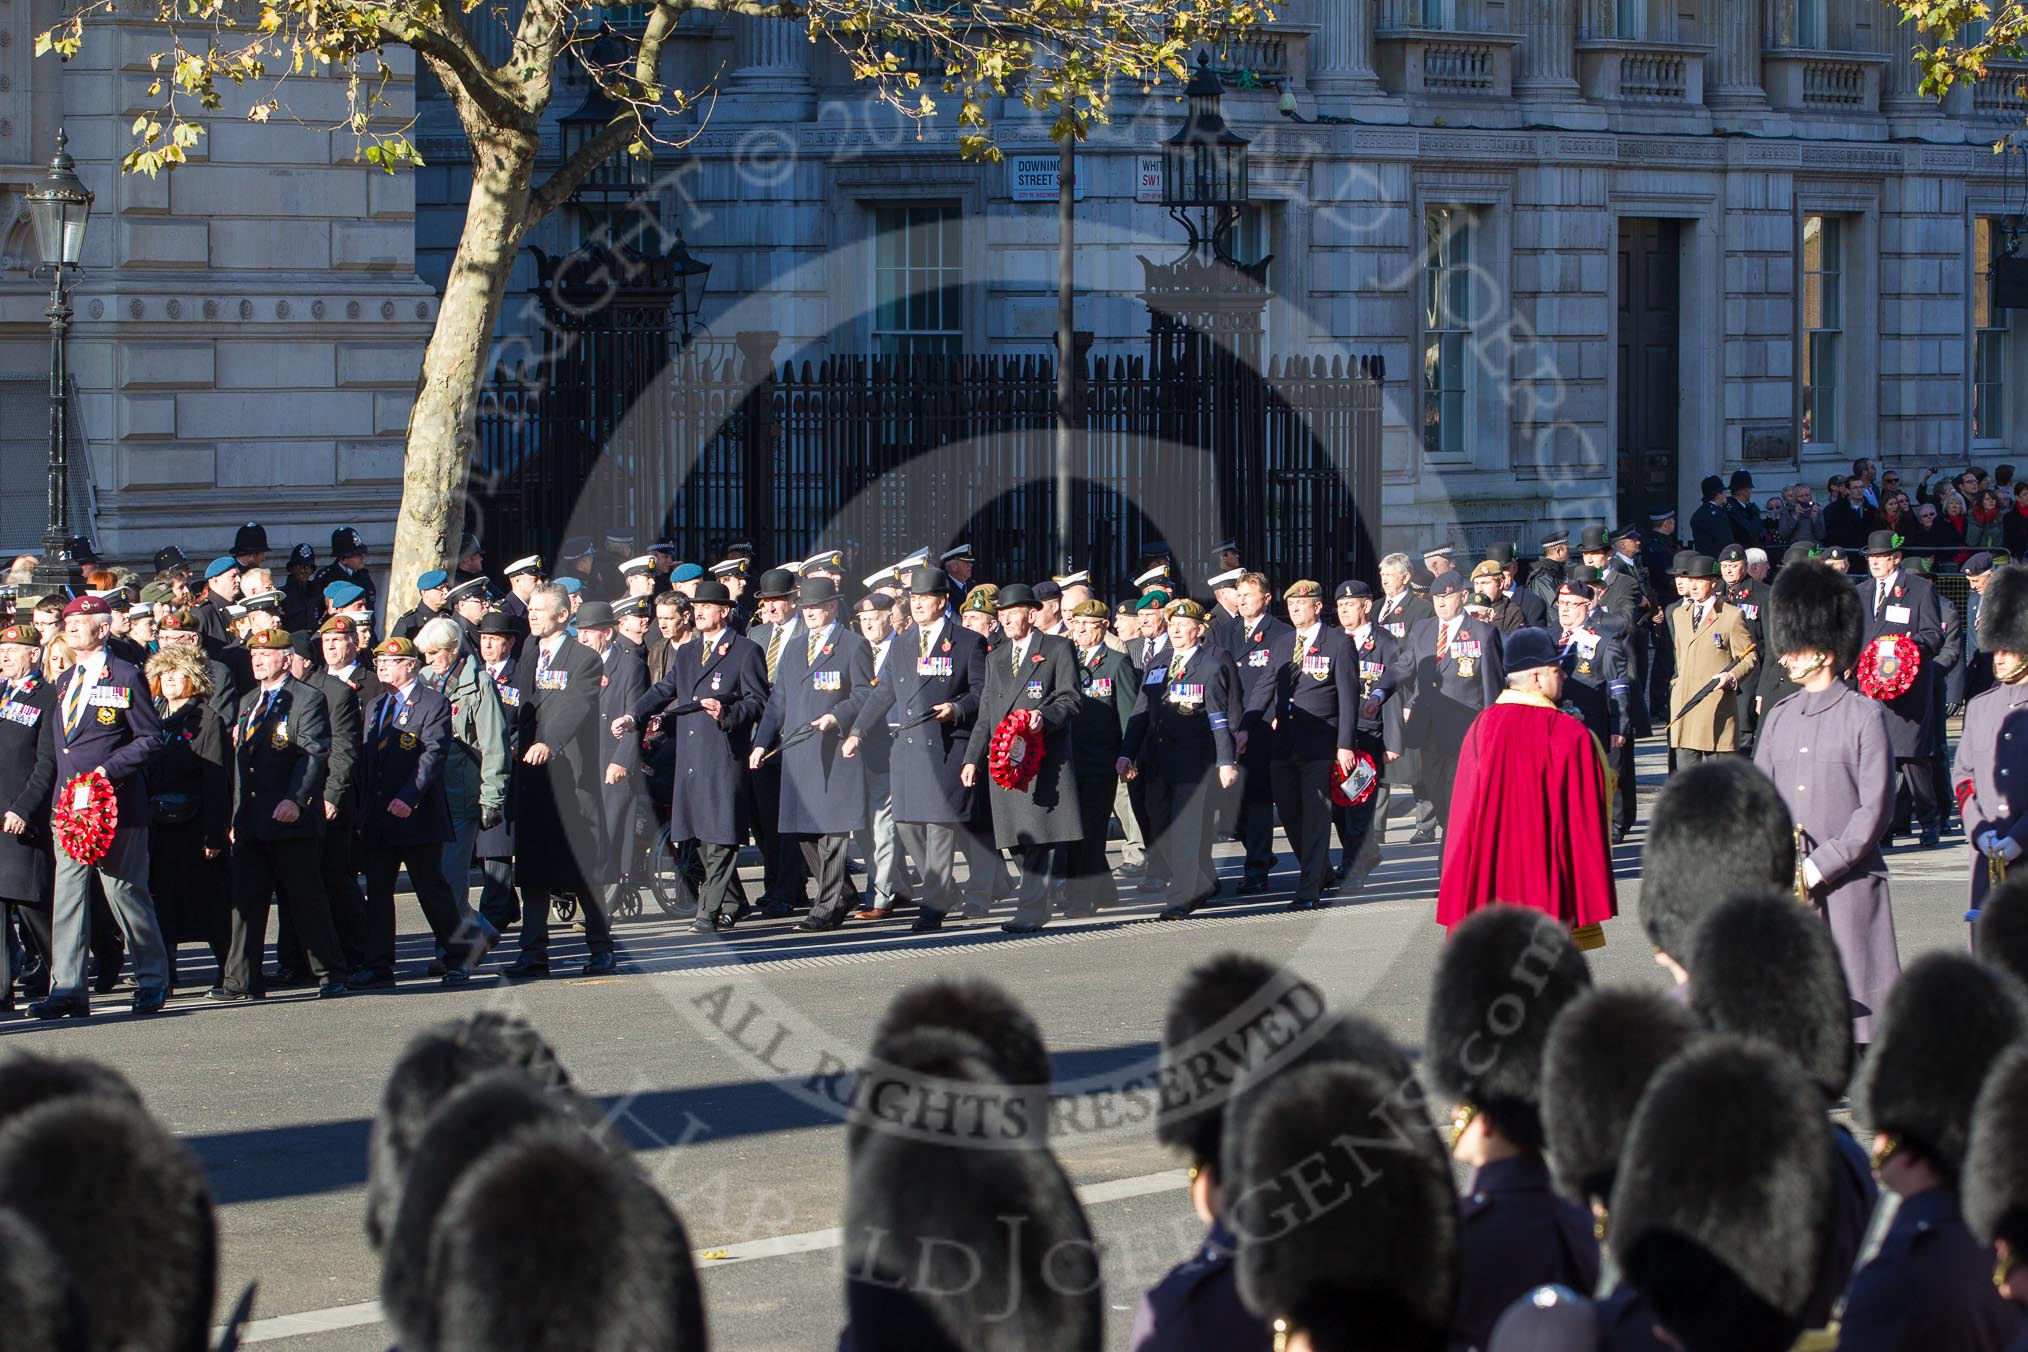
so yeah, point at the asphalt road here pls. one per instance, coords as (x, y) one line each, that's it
(717, 1056)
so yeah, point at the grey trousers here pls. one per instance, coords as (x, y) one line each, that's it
(132, 909)
(497, 901)
(934, 847)
(1041, 866)
(1134, 850)
(879, 844)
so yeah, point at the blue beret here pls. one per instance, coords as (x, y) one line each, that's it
(220, 566)
(343, 593)
(570, 584)
(435, 577)
(688, 572)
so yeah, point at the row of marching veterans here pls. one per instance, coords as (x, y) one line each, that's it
(1567, 1166)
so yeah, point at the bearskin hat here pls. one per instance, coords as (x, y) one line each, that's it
(963, 1245)
(44, 1308)
(1503, 978)
(123, 1206)
(472, 1120)
(549, 1242)
(1762, 966)
(1994, 1185)
(1946, 1020)
(907, 1082)
(1348, 1230)
(1723, 1193)
(436, 1063)
(30, 1078)
(1350, 1039)
(979, 1007)
(2003, 612)
(1208, 1043)
(1603, 1050)
(1814, 609)
(2000, 935)
(1717, 828)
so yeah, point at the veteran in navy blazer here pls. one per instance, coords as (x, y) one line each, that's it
(281, 734)
(1305, 708)
(105, 722)
(405, 818)
(27, 769)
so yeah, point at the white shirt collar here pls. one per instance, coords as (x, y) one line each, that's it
(1309, 636)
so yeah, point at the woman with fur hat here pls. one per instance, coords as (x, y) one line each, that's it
(1828, 750)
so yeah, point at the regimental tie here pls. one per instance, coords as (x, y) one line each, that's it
(810, 653)
(1147, 652)
(1176, 665)
(260, 711)
(925, 643)
(1443, 641)
(774, 652)
(73, 704)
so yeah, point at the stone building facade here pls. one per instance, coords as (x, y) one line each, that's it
(248, 327)
(1605, 249)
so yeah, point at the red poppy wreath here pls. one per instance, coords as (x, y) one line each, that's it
(86, 831)
(1015, 756)
(1889, 666)
(1354, 789)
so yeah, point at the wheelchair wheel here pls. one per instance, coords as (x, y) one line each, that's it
(563, 908)
(661, 875)
(627, 900)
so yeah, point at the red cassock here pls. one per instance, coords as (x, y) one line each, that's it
(1529, 818)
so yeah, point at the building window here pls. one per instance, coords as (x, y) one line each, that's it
(1448, 313)
(1630, 19)
(1823, 320)
(1434, 13)
(919, 282)
(1989, 337)
(1810, 25)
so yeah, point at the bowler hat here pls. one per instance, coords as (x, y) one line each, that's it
(497, 622)
(595, 615)
(775, 584)
(928, 582)
(816, 591)
(1882, 542)
(714, 593)
(1592, 540)
(1014, 594)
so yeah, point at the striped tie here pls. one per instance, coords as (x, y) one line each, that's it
(774, 652)
(73, 705)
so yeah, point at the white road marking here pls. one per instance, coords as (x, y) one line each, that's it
(778, 1246)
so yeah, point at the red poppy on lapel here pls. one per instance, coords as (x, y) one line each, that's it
(947, 646)
(827, 650)
(724, 648)
(1037, 659)
(602, 682)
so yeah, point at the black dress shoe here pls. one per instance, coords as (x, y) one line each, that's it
(331, 988)
(776, 910)
(705, 924)
(927, 921)
(1079, 912)
(600, 964)
(60, 1007)
(1252, 886)
(150, 999)
(456, 976)
(436, 967)
(1023, 926)
(1423, 837)
(1300, 905)
(228, 996)
(1128, 870)
(370, 979)
(283, 977)
(107, 981)
(1931, 838)
(816, 926)
(524, 967)
(976, 910)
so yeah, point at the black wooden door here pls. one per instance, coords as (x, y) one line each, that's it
(1648, 391)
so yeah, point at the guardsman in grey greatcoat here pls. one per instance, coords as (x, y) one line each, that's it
(1990, 776)
(1828, 751)
(823, 678)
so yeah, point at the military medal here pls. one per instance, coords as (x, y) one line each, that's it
(408, 741)
(105, 715)
(1467, 667)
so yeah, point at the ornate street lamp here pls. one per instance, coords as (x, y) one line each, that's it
(60, 206)
(1204, 168)
(692, 273)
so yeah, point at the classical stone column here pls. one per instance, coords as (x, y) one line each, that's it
(1736, 30)
(1900, 95)
(1341, 53)
(770, 79)
(1548, 50)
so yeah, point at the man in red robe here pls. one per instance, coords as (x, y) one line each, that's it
(1531, 814)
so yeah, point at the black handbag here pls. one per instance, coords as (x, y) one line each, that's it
(173, 809)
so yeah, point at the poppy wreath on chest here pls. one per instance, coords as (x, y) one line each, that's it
(86, 815)
(1888, 667)
(1014, 757)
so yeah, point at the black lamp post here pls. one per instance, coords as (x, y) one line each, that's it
(1204, 168)
(60, 206)
(692, 273)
